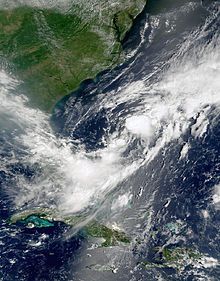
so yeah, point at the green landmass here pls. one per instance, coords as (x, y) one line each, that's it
(112, 237)
(178, 255)
(44, 217)
(175, 257)
(52, 51)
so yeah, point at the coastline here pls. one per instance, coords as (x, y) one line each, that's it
(52, 53)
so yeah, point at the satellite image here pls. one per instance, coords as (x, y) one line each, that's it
(110, 140)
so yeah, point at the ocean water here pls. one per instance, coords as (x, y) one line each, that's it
(137, 148)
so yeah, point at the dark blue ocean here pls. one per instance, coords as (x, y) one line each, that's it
(136, 148)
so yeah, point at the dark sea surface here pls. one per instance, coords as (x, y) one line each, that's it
(137, 148)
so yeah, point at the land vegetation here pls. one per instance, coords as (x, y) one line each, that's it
(51, 50)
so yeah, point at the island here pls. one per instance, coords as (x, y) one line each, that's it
(44, 218)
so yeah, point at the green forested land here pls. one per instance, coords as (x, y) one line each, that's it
(43, 217)
(51, 52)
